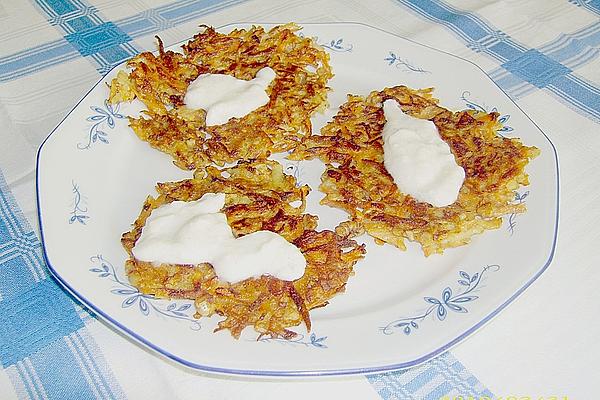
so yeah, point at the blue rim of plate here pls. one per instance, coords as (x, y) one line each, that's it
(305, 373)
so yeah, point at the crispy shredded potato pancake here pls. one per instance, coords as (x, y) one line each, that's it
(258, 197)
(356, 180)
(161, 81)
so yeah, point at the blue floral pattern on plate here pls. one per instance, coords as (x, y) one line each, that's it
(300, 340)
(503, 119)
(103, 116)
(512, 218)
(405, 65)
(336, 45)
(78, 210)
(146, 303)
(448, 301)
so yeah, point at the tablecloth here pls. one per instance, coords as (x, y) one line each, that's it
(544, 55)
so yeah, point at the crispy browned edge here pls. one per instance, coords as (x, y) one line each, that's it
(355, 178)
(160, 82)
(258, 197)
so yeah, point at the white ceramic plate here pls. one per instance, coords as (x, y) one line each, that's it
(399, 310)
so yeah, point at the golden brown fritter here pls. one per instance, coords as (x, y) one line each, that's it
(356, 180)
(258, 197)
(161, 81)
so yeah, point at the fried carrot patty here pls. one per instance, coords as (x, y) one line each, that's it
(356, 180)
(258, 196)
(161, 81)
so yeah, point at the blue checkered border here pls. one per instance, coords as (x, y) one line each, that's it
(44, 340)
(104, 43)
(443, 376)
(523, 70)
(591, 5)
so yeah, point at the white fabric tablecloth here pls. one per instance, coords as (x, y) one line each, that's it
(543, 345)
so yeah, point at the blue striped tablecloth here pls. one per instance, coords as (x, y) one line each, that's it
(543, 54)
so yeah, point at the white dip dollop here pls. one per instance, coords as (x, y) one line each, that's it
(197, 232)
(418, 159)
(224, 96)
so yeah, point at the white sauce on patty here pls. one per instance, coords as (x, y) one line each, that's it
(418, 159)
(224, 96)
(197, 232)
